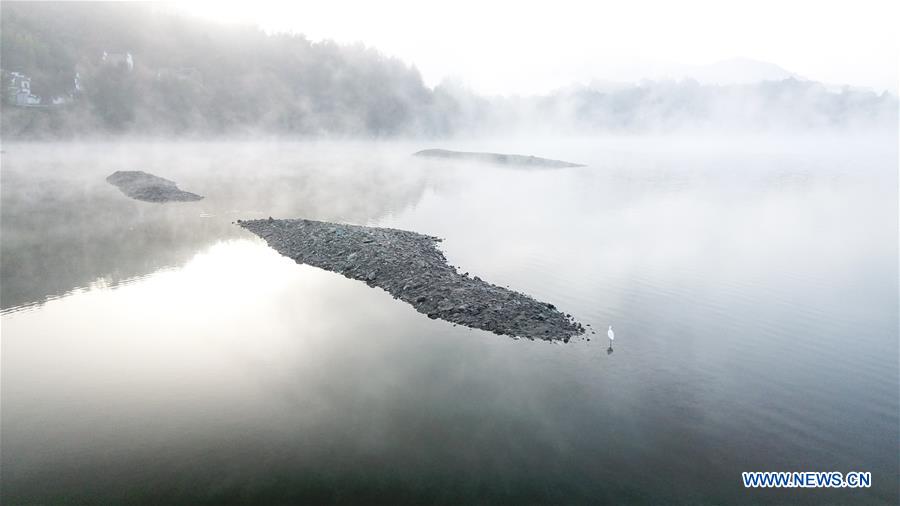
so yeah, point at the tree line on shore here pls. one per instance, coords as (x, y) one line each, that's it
(193, 77)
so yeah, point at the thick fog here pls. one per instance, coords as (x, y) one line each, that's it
(736, 223)
(169, 75)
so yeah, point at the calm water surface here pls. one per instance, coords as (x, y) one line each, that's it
(160, 354)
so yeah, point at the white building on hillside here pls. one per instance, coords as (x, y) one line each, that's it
(18, 90)
(118, 59)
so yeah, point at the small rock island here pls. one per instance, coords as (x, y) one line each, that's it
(497, 158)
(146, 187)
(410, 267)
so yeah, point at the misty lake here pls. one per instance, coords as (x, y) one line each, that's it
(157, 353)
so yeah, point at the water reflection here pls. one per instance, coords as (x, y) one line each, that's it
(64, 227)
(240, 376)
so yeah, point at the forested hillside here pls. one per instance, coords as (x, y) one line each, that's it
(189, 75)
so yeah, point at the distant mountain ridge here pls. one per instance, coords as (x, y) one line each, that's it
(738, 70)
(733, 71)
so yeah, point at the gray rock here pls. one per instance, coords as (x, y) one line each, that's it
(498, 158)
(411, 268)
(140, 185)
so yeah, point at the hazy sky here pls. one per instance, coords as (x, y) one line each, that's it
(529, 47)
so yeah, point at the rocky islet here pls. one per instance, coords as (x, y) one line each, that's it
(526, 161)
(410, 267)
(146, 187)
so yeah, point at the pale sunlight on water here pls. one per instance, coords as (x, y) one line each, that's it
(160, 354)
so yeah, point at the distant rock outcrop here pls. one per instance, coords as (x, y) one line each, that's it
(498, 158)
(140, 185)
(409, 266)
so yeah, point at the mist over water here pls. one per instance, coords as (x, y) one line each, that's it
(733, 217)
(160, 354)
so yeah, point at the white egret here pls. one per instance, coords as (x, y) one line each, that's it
(612, 336)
